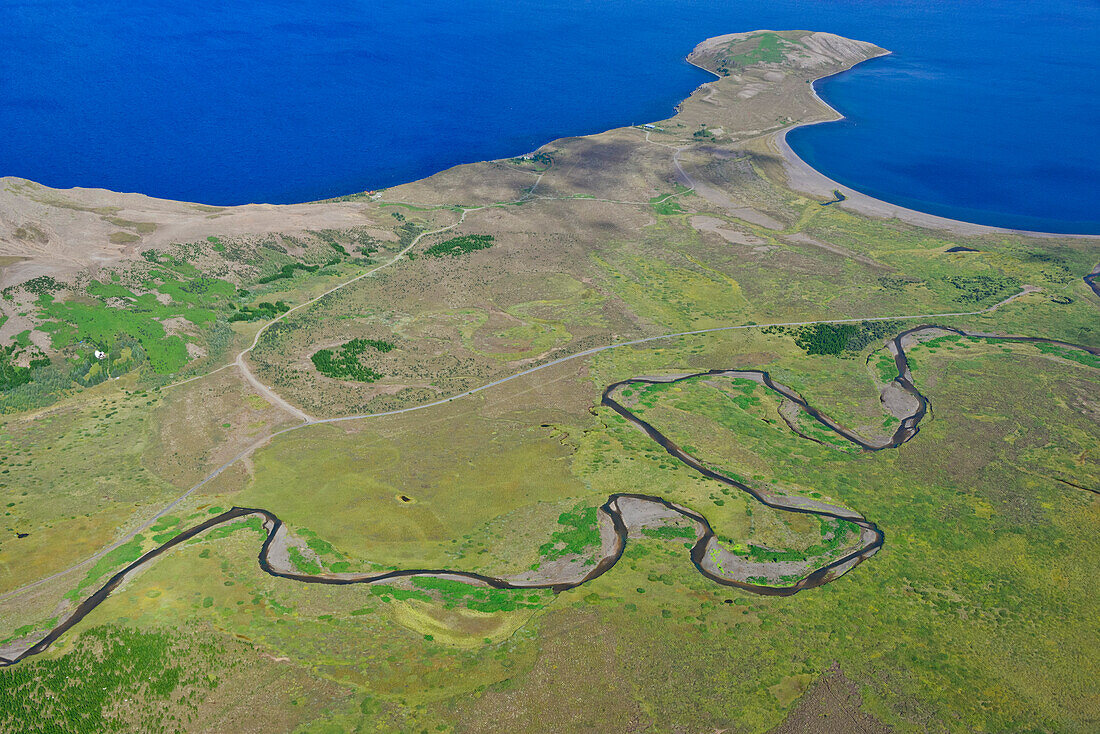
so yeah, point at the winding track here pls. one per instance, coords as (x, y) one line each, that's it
(871, 537)
(275, 398)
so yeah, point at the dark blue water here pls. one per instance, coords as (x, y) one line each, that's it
(988, 111)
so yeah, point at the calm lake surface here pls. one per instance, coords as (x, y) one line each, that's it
(987, 112)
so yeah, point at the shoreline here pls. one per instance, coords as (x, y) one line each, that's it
(801, 177)
(804, 178)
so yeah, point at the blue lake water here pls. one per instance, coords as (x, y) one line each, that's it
(986, 112)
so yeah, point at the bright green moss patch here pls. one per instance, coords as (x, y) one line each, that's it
(951, 341)
(317, 544)
(767, 51)
(165, 522)
(101, 323)
(199, 292)
(165, 536)
(669, 532)
(1074, 355)
(303, 564)
(388, 593)
(119, 557)
(834, 532)
(665, 205)
(580, 533)
(222, 531)
(109, 310)
(886, 368)
(745, 399)
(481, 599)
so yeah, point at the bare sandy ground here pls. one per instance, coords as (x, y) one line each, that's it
(62, 232)
(721, 228)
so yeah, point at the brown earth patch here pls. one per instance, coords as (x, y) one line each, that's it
(557, 694)
(831, 706)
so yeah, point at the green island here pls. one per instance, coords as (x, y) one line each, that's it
(537, 444)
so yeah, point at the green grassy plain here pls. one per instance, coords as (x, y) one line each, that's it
(983, 548)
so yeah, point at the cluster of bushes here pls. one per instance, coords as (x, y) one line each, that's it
(460, 245)
(261, 310)
(124, 353)
(896, 283)
(975, 289)
(36, 286)
(344, 364)
(11, 374)
(46, 386)
(42, 382)
(287, 271)
(171, 261)
(539, 159)
(825, 338)
(368, 245)
(836, 339)
(201, 285)
(408, 231)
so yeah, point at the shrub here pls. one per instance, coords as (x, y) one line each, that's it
(344, 364)
(460, 245)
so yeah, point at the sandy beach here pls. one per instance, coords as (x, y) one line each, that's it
(806, 179)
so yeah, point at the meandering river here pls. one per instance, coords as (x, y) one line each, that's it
(870, 539)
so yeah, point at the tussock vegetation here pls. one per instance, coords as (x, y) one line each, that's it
(163, 676)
